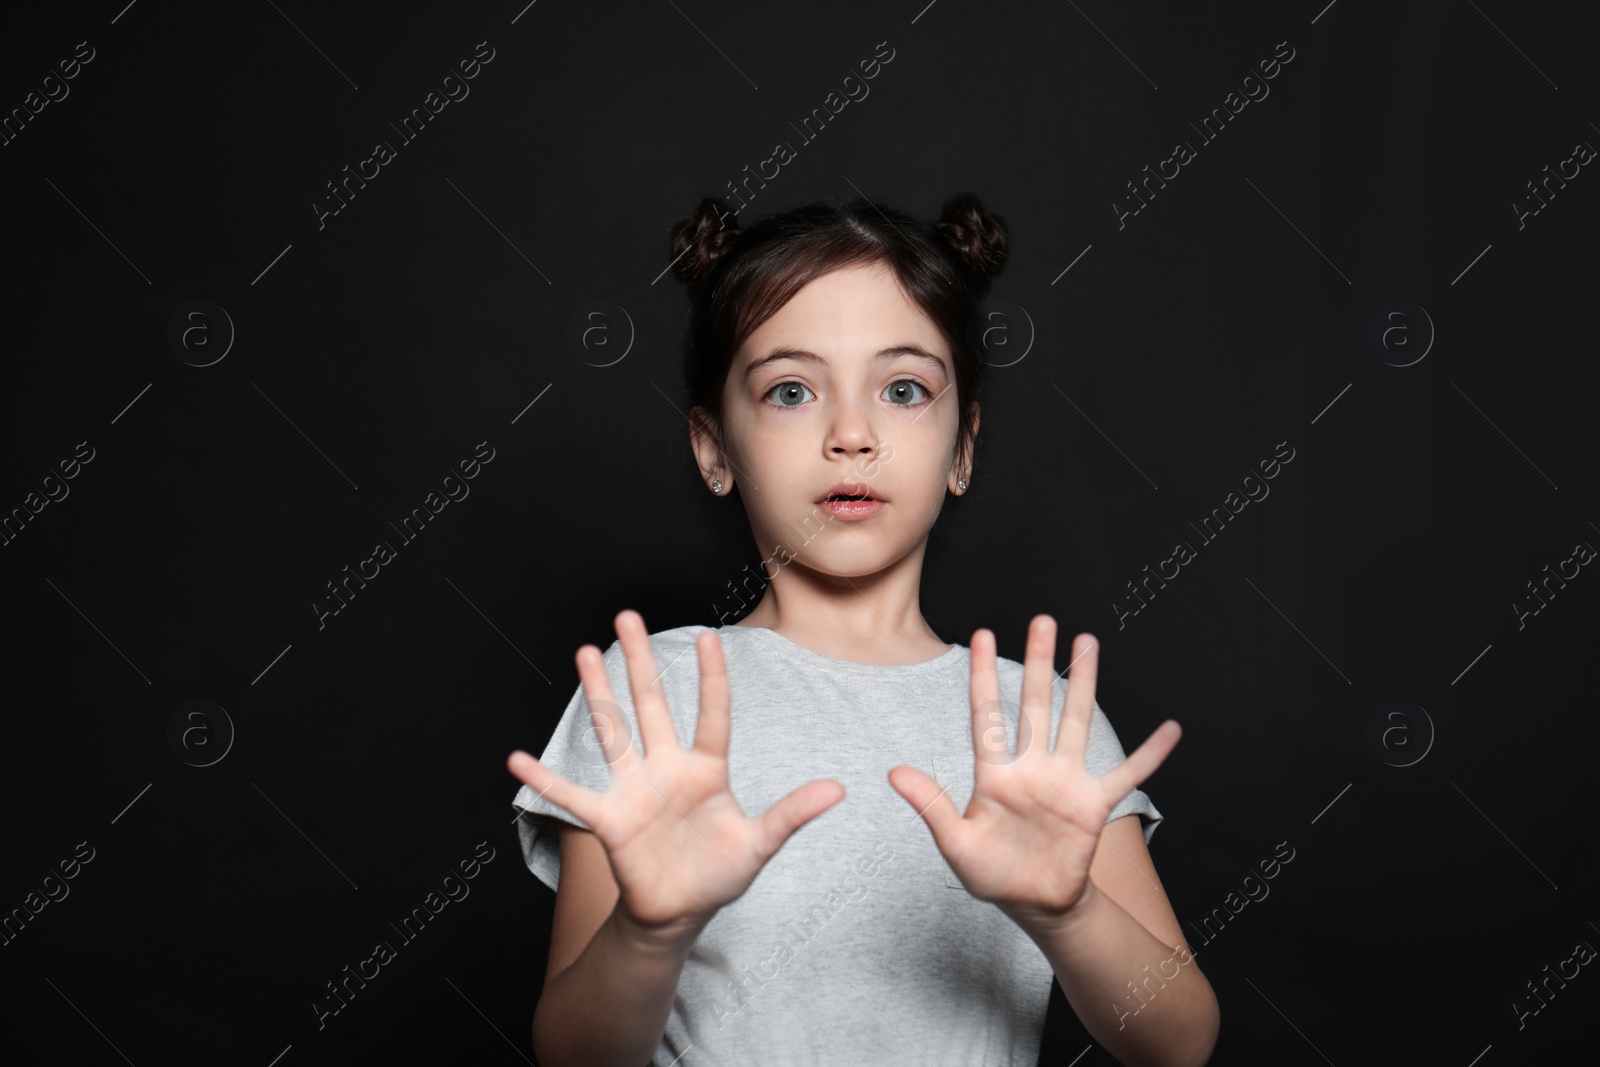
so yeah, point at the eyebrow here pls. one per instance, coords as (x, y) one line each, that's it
(801, 355)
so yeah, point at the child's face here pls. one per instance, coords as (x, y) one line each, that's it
(850, 418)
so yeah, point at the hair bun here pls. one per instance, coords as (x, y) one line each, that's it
(977, 234)
(699, 239)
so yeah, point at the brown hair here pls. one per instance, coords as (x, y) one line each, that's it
(737, 279)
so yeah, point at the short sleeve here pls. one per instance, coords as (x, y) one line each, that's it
(1104, 752)
(575, 753)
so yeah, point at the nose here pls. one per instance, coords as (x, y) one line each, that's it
(851, 433)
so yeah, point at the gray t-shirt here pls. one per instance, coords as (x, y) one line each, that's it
(856, 943)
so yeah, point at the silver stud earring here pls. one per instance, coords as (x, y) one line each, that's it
(961, 483)
(716, 485)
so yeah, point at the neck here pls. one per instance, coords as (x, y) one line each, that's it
(871, 618)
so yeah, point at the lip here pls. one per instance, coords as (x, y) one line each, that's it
(852, 510)
(850, 489)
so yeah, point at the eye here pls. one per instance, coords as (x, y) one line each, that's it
(900, 391)
(788, 391)
(792, 390)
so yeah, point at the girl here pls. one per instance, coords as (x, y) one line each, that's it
(833, 382)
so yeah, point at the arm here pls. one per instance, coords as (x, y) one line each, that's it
(610, 982)
(667, 846)
(1029, 843)
(1139, 993)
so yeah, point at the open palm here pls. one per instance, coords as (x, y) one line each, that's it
(1030, 830)
(679, 845)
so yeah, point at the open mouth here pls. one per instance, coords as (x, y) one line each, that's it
(849, 491)
(851, 507)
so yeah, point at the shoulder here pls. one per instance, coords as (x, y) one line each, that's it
(676, 662)
(666, 644)
(678, 635)
(1010, 673)
(1102, 735)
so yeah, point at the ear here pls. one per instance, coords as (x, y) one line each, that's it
(703, 438)
(962, 468)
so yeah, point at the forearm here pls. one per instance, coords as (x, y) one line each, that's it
(610, 1005)
(1145, 1002)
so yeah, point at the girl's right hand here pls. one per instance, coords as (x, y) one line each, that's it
(680, 846)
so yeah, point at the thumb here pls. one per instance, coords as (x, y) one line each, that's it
(930, 800)
(780, 821)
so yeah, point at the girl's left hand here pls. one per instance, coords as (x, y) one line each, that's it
(1030, 830)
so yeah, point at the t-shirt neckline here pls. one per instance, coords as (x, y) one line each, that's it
(800, 653)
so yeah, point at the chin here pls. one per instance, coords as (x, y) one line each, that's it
(836, 564)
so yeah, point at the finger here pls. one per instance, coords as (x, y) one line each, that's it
(1131, 772)
(656, 730)
(781, 820)
(585, 803)
(989, 742)
(929, 800)
(605, 715)
(1072, 736)
(711, 730)
(1038, 690)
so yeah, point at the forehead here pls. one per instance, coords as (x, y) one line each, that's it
(846, 314)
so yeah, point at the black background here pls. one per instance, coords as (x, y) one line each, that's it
(375, 352)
